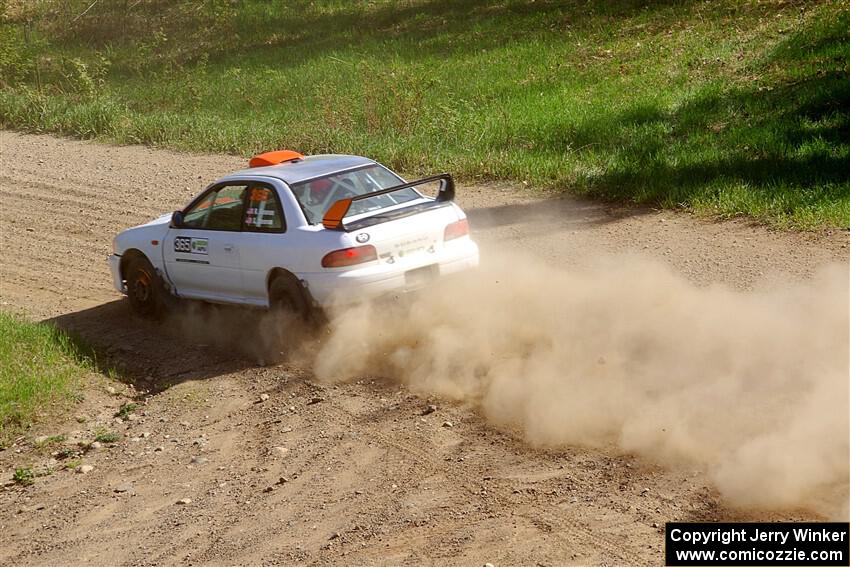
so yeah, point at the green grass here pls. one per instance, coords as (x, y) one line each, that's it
(24, 476)
(728, 107)
(51, 440)
(41, 369)
(125, 410)
(103, 435)
(66, 453)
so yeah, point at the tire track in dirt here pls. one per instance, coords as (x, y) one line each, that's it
(563, 527)
(85, 210)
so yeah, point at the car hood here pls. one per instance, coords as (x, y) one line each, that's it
(141, 236)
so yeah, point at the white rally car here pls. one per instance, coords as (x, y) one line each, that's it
(296, 233)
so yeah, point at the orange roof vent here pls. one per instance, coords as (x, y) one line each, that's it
(274, 158)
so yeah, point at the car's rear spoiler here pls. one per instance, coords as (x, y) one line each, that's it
(336, 213)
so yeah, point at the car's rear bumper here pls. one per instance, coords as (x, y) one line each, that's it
(115, 270)
(354, 285)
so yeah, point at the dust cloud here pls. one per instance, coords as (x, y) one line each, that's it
(750, 386)
(259, 335)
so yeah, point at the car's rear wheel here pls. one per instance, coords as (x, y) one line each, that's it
(144, 289)
(287, 299)
(290, 317)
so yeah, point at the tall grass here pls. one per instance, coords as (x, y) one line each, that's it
(41, 369)
(732, 107)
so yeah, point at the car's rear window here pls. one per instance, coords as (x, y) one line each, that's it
(317, 195)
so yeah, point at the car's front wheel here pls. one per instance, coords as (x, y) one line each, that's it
(144, 289)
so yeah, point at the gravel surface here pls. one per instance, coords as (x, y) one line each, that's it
(229, 462)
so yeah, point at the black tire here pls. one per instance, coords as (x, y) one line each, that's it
(286, 297)
(290, 318)
(144, 289)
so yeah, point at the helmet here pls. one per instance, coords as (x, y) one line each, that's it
(319, 190)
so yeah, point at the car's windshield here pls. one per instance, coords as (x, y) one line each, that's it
(317, 195)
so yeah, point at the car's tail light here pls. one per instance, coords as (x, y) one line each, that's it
(456, 230)
(349, 256)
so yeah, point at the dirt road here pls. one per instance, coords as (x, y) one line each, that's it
(349, 474)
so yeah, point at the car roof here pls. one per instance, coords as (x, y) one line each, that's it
(309, 167)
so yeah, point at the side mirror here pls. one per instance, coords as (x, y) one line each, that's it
(176, 219)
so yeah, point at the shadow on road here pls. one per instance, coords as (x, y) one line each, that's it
(553, 215)
(194, 342)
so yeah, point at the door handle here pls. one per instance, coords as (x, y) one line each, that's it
(228, 248)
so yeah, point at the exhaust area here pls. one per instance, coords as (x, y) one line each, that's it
(750, 386)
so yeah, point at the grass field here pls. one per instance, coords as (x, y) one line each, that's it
(41, 369)
(728, 107)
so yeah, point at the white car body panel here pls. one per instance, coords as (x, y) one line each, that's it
(234, 266)
(212, 270)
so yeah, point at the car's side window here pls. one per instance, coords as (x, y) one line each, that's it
(263, 212)
(196, 217)
(220, 209)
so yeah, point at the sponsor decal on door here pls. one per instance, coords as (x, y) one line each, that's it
(188, 245)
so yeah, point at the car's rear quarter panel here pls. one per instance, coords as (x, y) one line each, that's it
(402, 245)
